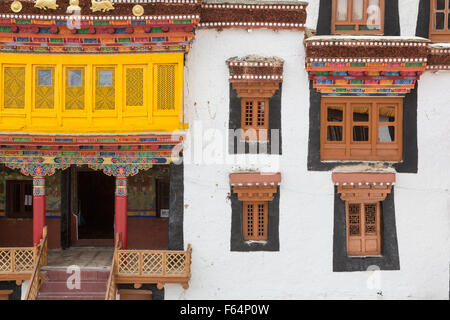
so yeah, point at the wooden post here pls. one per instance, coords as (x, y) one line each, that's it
(38, 208)
(121, 210)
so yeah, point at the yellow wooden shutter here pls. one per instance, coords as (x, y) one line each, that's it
(14, 87)
(165, 87)
(134, 86)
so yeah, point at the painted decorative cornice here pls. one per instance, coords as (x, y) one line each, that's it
(161, 27)
(255, 68)
(365, 65)
(251, 15)
(438, 57)
(115, 155)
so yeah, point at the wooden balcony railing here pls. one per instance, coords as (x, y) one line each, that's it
(41, 260)
(153, 266)
(111, 288)
(16, 263)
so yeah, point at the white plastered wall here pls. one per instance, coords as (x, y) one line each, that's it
(302, 269)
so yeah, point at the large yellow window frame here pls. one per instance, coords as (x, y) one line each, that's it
(59, 115)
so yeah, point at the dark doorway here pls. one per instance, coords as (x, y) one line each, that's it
(95, 205)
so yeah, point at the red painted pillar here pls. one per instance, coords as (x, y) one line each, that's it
(38, 208)
(121, 210)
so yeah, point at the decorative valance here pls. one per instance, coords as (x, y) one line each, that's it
(439, 57)
(255, 186)
(355, 186)
(40, 155)
(255, 76)
(254, 15)
(119, 26)
(365, 65)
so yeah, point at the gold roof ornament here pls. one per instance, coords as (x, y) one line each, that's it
(74, 5)
(138, 10)
(16, 6)
(46, 4)
(103, 5)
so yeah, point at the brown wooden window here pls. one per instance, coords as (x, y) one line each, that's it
(361, 129)
(357, 17)
(20, 199)
(440, 20)
(363, 228)
(255, 218)
(254, 119)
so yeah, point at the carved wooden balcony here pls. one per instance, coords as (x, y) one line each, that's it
(153, 266)
(16, 263)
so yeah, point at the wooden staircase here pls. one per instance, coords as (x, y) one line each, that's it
(92, 285)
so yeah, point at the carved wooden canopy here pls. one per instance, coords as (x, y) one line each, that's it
(363, 186)
(255, 186)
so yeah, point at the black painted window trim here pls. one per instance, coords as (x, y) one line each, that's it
(237, 242)
(389, 259)
(409, 164)
(274, 124)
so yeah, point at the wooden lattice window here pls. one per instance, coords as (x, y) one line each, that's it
(14, 87)
(361, 129)
(20, 198)
(255, 220)
(357, 17)
(44, 90)
(165, 86)
(105, 88)
(134, 84)
(440, 20)
(74, 88)
(363, 228)
(254, 119)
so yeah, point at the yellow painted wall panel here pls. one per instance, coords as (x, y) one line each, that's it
(80, 93)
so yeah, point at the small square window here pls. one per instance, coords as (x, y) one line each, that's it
(45, 77)
(105, 78)
(358, 17)
(75, 78)
(440, 20)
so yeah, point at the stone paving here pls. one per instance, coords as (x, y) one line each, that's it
(93, 257)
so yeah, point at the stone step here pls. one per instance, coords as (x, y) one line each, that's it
(79, 296)
(61, 274)
(61, 286)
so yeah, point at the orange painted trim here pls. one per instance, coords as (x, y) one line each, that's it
(358, 177)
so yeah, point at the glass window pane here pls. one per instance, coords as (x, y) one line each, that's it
(386, 134)
(44, 77)
(341, 12)
(334, 133)
(361, 114)
(360, 133)
(105, 78)
(335, 114)
(439, 20)
(440, 4)
(358, 8)
(75, 78)
(386, 114)
(448, 20)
